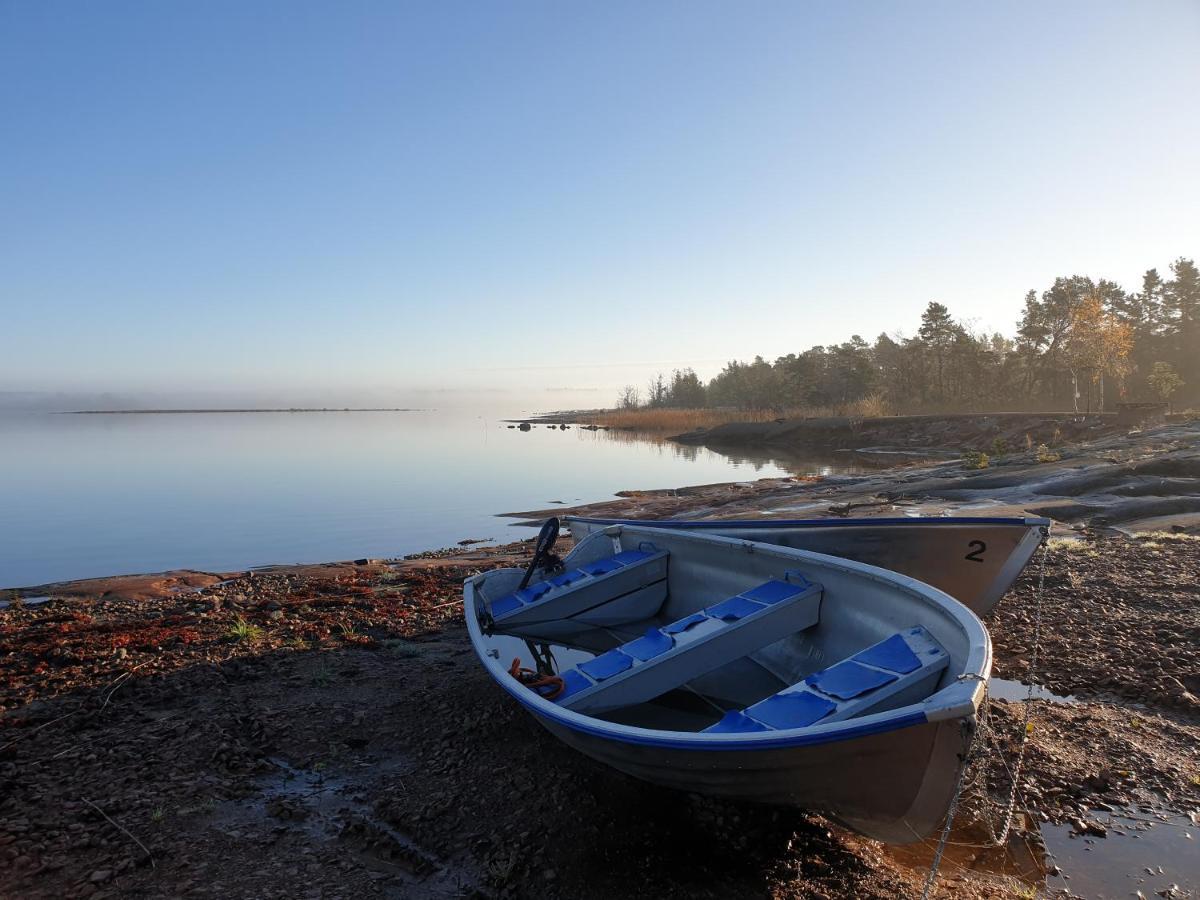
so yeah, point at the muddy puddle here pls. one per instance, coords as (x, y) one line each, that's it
(1142, 853)
(1146, 853)
(25, 601)
(336, 808)
(1018, 692)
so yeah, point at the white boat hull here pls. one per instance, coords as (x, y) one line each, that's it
(973, 559)
(889, 773)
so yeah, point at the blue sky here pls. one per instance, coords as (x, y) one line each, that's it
(377, 200)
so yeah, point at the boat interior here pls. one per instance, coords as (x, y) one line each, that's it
(694, 633)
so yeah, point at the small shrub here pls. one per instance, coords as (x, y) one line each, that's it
(999, 447)
(241, 630)
(974, 459)
(1046, 455)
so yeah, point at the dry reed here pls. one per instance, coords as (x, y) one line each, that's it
(669, 420)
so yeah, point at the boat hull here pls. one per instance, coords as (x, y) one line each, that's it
(897, 790)
(889, 772)
(973, 559)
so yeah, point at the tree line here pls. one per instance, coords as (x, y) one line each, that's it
(1080, 344)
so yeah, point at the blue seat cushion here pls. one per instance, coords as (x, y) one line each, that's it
(894, 654)
(568, 578)
(606, 665)
(535, 592)
(734, 721)
(774, 591)
(849, 679)
(653, 643)
(625, 557)
(601, 566)
(509, 602)
(506, 604)
(573, 683)
(797, 709)
(685, 623)
(733, 609)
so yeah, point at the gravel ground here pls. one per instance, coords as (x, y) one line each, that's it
(328, 733)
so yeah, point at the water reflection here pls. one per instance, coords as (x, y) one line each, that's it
(1146, 852)
(85, 496)
(757, 460)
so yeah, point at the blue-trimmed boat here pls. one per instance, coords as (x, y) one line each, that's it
(974, 559)
(743, 670)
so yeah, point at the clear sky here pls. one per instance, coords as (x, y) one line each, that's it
(378, 199)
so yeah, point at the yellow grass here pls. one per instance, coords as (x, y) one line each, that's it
(1149, 537)
(1071, 545)
(677, 421)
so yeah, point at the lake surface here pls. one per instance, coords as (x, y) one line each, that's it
(82, 496)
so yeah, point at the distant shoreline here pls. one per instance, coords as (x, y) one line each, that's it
(173, 412)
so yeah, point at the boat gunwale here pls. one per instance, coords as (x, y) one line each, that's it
(830, 522)
(976, 668)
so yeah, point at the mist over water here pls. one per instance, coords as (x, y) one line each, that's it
(90, 495)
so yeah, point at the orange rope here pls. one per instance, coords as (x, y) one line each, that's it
(536, 682)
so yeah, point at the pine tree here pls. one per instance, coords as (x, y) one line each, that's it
(938, 330)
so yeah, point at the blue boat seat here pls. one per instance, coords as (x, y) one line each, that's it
(903, 669)
(665, 658)
(626, 586)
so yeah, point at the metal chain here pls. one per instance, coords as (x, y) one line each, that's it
(1031, 680)
(968, 734)
(983, 735)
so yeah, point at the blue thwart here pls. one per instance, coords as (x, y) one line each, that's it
(733, 609)
(849, 679)
(894, 654)
(606, 665)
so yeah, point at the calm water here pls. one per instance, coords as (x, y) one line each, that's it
(82, 496)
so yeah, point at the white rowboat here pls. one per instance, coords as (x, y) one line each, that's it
(974, 559)
(744, 670)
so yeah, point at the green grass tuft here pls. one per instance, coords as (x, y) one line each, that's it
(241, 630)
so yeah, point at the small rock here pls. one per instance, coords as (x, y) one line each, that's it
(100, 876)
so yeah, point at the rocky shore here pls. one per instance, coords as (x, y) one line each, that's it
(1129, 481)
(324, 731)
